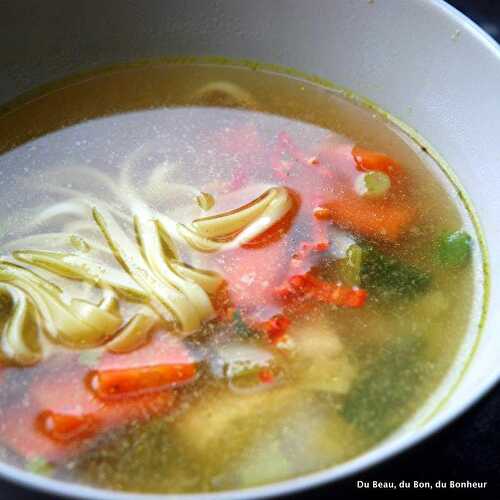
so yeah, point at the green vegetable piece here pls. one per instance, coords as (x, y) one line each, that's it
(372, 184)
(350, 266)
(39, 465)
(455, 248)
(376, 400)
(389, 276)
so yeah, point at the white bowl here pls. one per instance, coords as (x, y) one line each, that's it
(420, 60)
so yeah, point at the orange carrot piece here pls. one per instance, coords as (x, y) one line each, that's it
(77, 416)
(322, 213)
(20, 434)
(64, 427)
(113, 384)
(367, 160)
(60, 415)
(381, 220)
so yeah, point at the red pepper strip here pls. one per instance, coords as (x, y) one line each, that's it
(275, 328)
(115, 384)
(266, 376)
(63, 427)
(337, 293)
(306, 285)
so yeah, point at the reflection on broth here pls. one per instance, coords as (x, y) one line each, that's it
(200, 258)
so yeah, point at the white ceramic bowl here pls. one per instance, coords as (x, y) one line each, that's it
(421, 60)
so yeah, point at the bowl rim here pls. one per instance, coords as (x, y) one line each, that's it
(379, 454)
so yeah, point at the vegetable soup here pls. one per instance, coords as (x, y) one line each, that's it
(214, 277)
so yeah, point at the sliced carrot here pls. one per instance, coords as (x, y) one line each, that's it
(322, 213)
(378, 219)
(157, 366)
(20, 434)
(69, 395)
(132, 382)
(386, 219)
(65, 427)
(59, 415)
(367, 160)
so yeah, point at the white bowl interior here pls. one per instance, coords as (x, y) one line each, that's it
(420, 60)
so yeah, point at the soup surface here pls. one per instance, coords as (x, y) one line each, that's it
(215, 278)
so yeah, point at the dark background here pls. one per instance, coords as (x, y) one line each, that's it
(469, 449)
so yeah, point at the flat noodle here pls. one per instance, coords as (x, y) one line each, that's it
(65, 323)
(266, 212)
(131, 260)
(134, 333)
(149, 240)
(153, 273)
(20, 336)
(78, 267)
(228, 223)
(210, 281)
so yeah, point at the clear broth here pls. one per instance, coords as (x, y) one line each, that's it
(310, 419)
